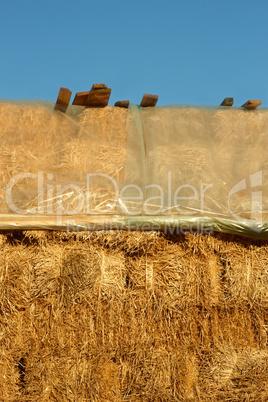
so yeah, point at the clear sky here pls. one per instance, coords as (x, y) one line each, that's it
(187, 52)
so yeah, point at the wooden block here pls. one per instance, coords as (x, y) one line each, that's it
(252, 104)
(149, 100)
(99, 86)
(227, 102)
(124, 104)
(63, 99)
(80, 98)
(98, 97)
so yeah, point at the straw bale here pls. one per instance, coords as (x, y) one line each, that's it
(32, 138)
(179, 278)
(100, 147)
(246, 276)
(26, 132)
(35, 139)
(68, 272)
(161, 375)
(236, 375)
(239, 141)
(209, 147)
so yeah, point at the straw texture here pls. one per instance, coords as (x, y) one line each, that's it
(118, 316)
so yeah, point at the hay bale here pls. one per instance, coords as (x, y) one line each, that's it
(236, 374)
(65, 149)
(32, 138)
(206, 150)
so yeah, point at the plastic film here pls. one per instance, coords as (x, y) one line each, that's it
(184, 167)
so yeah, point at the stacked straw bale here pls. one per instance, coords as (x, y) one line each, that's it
(118, 316)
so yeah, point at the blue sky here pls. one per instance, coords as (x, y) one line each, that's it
(187, 52)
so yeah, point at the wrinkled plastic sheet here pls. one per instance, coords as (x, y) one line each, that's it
(170, 168)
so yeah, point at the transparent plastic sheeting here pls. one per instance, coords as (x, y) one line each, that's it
(169, 168)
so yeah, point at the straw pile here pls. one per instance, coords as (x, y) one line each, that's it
(113, 316)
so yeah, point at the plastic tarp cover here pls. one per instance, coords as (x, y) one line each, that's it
(174, 167)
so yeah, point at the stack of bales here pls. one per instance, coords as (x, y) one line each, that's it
(117, 315)
(113, 316)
